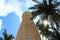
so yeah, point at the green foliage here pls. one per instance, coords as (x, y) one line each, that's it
(7, 36)
(1, 38)
(47, 9)
(50, 12)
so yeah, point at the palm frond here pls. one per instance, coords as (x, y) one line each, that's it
(44, 2)
(37, 6)
(58, 11)
(50, 2)
(57, 4)
(33, 8)
(1, 38)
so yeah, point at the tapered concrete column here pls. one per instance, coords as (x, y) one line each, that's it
(27, 30)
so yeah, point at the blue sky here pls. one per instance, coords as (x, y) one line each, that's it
(11, 14)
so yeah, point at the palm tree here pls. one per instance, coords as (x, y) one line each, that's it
(7, 36)
(49, 9)
(1, 38)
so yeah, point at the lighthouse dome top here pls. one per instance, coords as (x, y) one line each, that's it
(26, 13)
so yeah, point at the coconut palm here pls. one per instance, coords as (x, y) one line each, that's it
(6, 36)
(1, 38)
(49, 9)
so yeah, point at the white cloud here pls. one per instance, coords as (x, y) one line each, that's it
(0, 24)
(29, 3)
(7, 6)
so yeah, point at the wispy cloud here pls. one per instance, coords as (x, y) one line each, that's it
(0, 24)
(29, 3)
(7, 6)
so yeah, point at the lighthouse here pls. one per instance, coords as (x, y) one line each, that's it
(27, 30)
